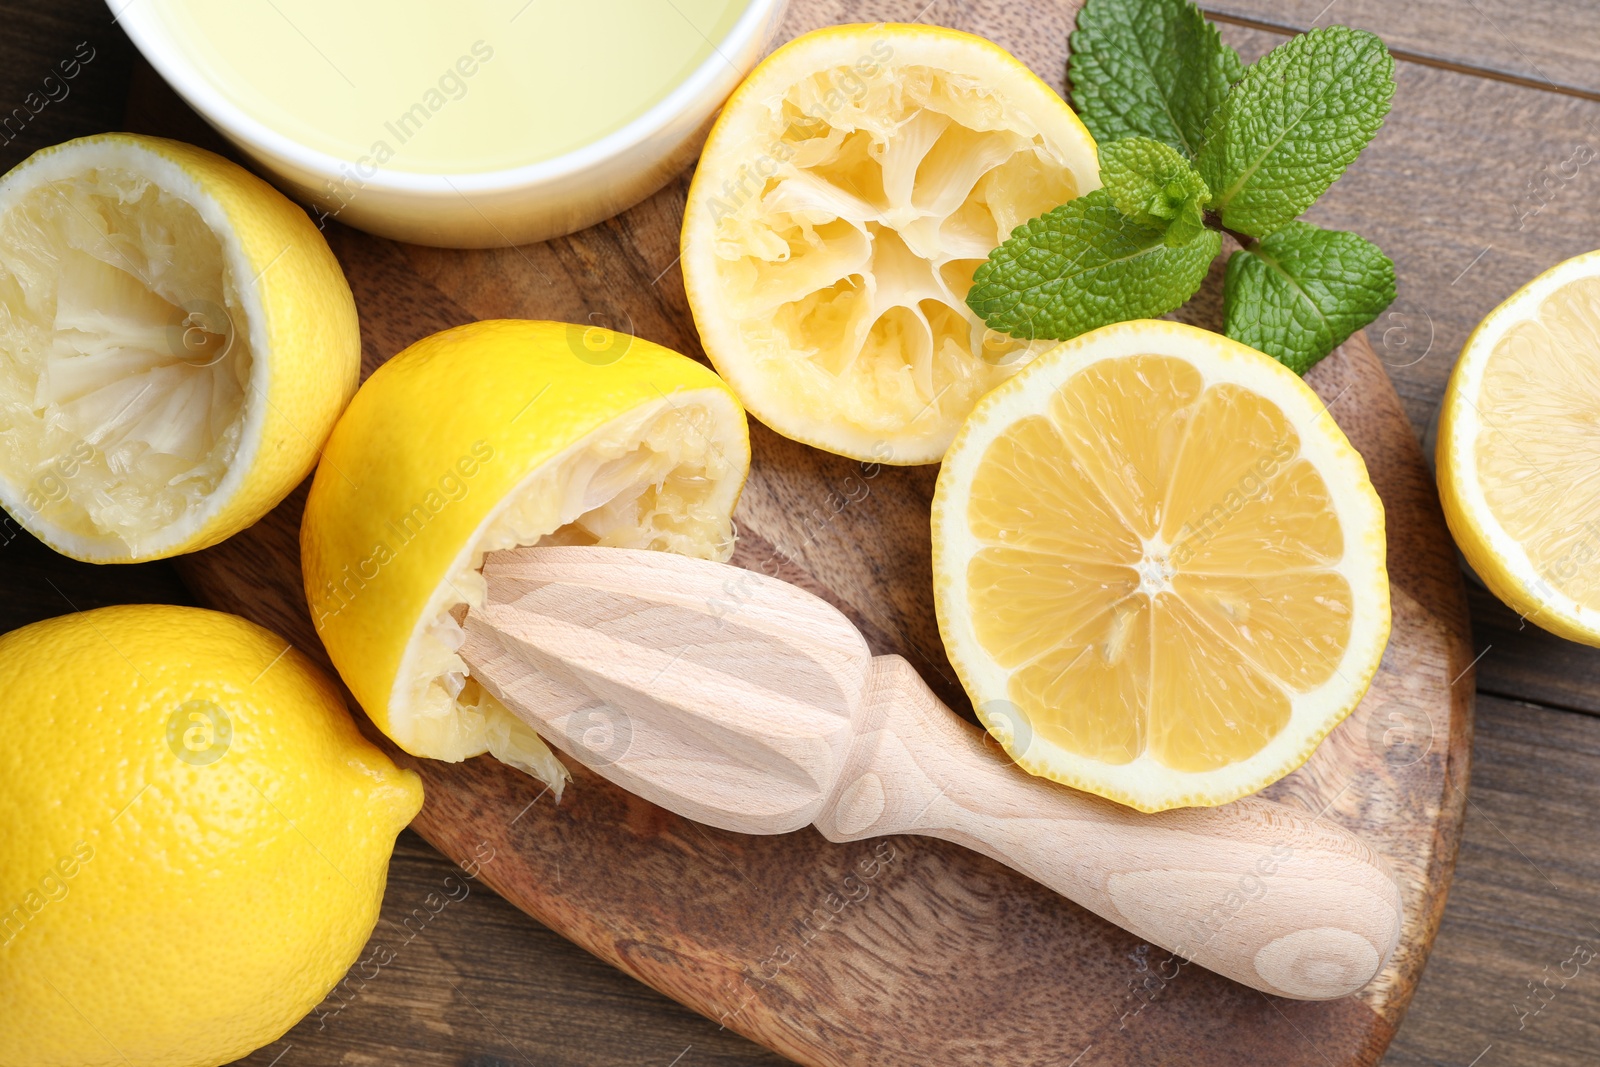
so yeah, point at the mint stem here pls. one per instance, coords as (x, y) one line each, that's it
(1214, 221)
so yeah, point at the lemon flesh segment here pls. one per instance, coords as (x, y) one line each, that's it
(176, 341)
(844, 199)
(488, 437)
(1149, 581)
(1541, 470)
(1518, 450)
(215, 847)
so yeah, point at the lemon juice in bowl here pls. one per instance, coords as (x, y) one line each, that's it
(474, 122)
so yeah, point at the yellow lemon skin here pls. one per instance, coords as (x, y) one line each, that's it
(305, 337)
(193, 838)
(421, 462)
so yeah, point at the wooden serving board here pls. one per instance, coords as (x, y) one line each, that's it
(904, 951)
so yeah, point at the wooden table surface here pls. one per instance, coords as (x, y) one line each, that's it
(1487, 173)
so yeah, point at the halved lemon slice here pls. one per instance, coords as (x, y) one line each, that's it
(1159, 566)
(1518, 450)
(490, 436)
(176, 341)
(844, 198)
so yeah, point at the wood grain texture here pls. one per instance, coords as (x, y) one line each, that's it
(455, 975)
(1469, 189)
(65, 76)
(837, 954)
(1545, 43)
(1515, 980)
(1522, 662)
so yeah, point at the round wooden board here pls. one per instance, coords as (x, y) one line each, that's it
(907, 951)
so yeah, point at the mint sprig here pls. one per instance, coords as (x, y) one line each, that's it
(1193, 145)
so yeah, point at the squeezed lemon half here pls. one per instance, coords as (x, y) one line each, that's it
(176, 341)
(1519, 449)
(490, 436)
(844, 198)
(1159, 566)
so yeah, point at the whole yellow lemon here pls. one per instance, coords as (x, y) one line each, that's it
(193, 838)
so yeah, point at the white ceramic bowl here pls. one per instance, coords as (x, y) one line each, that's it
(495, 208)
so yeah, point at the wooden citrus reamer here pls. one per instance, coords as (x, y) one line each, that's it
(745, 703)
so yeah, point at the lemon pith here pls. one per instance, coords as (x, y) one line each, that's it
(489, 436)
(1159, 567)
(1516, 450)
(846, 194)
(178, 341)
(194, 838)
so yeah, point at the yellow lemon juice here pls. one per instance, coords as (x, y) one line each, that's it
(456, 87)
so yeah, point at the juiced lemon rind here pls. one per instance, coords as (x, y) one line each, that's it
(435, 704)
(856, 338)
(123, 444)
(483, 437)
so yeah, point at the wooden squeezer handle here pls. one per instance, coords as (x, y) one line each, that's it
(1262, 893)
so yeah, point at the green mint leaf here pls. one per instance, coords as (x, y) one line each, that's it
(1303, 112)
(1152, 183)
(1149, 68)
(1190, 221)
(1082, 266)
(1301, 291)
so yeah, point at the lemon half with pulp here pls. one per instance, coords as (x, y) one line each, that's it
(1518, 452)
(845, 196)
(176, 341)
(485, 437)
(1159, 566)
